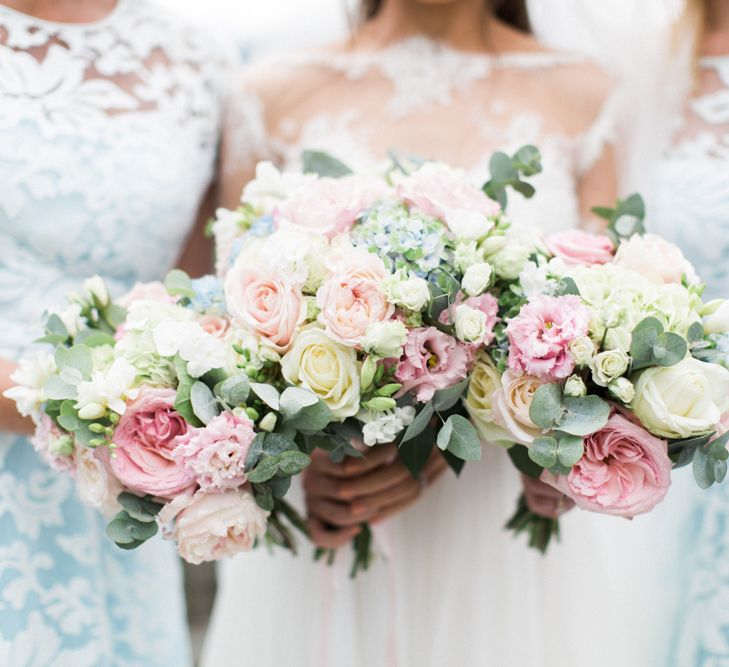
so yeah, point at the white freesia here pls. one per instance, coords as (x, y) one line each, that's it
(202, 351)
(470, 324)
(107, 390)
(383, 427)
(477, 278)
(95, 484)
(718, 321)
(385, 339)
(407, 291)
(96, 287)
(608, 365)
(30, 377)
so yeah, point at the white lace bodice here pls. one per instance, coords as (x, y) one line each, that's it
(108, 135)
(692, 190)
(419, 97)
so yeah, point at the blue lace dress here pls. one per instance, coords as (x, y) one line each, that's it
(692, 209)
(108, 137)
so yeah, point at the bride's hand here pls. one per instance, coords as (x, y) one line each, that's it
(341, 496)
(544, 499)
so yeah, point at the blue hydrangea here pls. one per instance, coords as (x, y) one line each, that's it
(404, 239)
(209, 296)
(261, 227)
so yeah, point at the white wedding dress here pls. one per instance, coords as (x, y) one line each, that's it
(450, 587)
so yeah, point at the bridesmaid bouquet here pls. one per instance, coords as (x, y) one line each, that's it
(608, 371)
(150, 403)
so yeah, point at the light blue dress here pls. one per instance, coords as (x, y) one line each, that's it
(692, 209)
(108, 136)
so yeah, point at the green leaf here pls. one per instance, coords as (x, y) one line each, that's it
(55, 327)
(276, 443)
(115, 315)
(293, 462)
(460, 438)
(92, 338)
(280, 486)
(445, 399)
(203, 402)
(263, 494)
(584, 415)
(178, 283)
(569, 450)
(294, 399)
(77, 358)
(669, 349)
(323, 164)
(141, 509)
(183, 404)
(528, 160)
(254, 453)
(422, 419)
(544, 451)
(68, 417)
(415, 452)
(567, 286)
(267, 467)
(234, 391)
(56, 389)
(695, 332)
(519, 455)
(126, 530)
(547, 408)
(456, 464)
(311, 419)
(268, 394)
(389, 389)
(703, 469)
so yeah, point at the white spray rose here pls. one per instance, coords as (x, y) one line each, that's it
(470, 324)
(476, 279)
(465, 254)
(608, 365)
(582, 350)
(407, 291)
(622, 389)
(385, 339)
(575, 387)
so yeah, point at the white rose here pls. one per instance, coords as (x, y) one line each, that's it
(383, 427)
(718, 321)
(511, 405)
(622, 389)
(619, 338)
(30, 378)
(608, 365)
(385, 339)
(107, 390)
(582, 350)
(407, 291)
(325, 367)
(210, 526)
(484, 382)
(476, 279)
(96, 287)
(470, 324)
(465, 254)
(682, 401)
(575, 386)
(95, 484)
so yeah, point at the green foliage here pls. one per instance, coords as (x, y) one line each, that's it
(323, 164)
(652, 346)
(566, 286)
(508, 172)
(710, 462)
(445, 399)
(550, 409)
(415, 452)
(128, 532)
(203, 402)
(460, 438)
(421, 421)
(267, 394)
(183, 402)
(625, 219)
(303, 411)
(178, 283)
(546, 407)
(540, 529)
(233, 391)
(519, 455)
(142, 509)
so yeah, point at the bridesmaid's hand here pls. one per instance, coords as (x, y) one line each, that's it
(544, 499)
(341, 496)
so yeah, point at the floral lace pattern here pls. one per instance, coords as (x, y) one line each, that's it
(108, 137)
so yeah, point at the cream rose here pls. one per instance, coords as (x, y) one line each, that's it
(608, 365)
(325, 367)
(511, 405)
(682, 401)
(477, 278)
(485, 380)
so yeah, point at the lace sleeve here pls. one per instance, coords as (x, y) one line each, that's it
(601, 133)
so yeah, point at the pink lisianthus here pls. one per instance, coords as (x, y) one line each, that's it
(486, 303)
(145, 438)
(576, 247)
(329, 206)
(625, 470)
(539, 336)
(265, 301)
(444, 193)
(431, 360)
(215, 455)
(209, 526)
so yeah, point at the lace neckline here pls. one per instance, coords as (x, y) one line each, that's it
(110, 17)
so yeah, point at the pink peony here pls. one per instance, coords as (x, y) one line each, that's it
(655, 258)
(216, 454)
(486, 303)
(266, 302)
(329, 206)
(625, 470)
(540, 335)
(145, 438)
(575, 246)
(444, 193)
(209, 526)
(431, 360)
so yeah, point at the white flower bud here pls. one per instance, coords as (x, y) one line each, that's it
(385, 339)
(466, 254)
(582, 350)
(608, 366)
(470, 324)
(622, 389)
(476, 279)
(611, 315)
(96, 287)
(268, 423)
(575, 387)
(718, 321)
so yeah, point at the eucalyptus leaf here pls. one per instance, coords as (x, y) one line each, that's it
(266, 468)
(584, 415)
(268, 394)
(673, 349)
(546, 408)
(445, 399)
(461, 438)
(311, 419)
(695, 332)
(255, 451)
(55, 327)
(77, 358)
(234, 391)
(203, 402)
(544, 451)
(294, 399)
(125, 529)
(68, 416)
(293, 462)
(567, 286)
(91, 338)
(415, 452)
(263, 493)
(323, 164)
(519, 455)
(703, 469)
(418, 425)
(569, 450)
(56, 389)
(141, 509)
(280, 486)
(276, 443)
(178, 283)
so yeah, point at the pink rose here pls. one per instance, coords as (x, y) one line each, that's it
(329, 206)
(575, 246)
(350, 299)
(431, 360)
(486, 303)
(145, 438)
(209, 526)
(625, 470)
(655, 258)
(444, 193)
(540, 335)
(154, 291)
(214, 325)
(215, 456)
(266, 302)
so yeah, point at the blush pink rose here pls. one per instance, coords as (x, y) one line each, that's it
(210, 526)
(576, 247)
(431, 360)
(329, 206)
(154, 291)
(265, 302)
(625, 470)
(486, 303)
(145, 438)
(214, 325)
(539, 336)
(655, 258)
(216, 454)
(444, 193)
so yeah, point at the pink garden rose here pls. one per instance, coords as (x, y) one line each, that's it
(486, 303)
(575, 247)
(215, 456)
(214, 325)
(266, 302)
(655, 258)
(444, 193)
(431, 360)
(145, 438)
(625, 470)
(540, 335)
(209, 526)
(329, 206)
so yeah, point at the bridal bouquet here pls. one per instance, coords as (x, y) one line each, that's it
(160, 415)
(608, 371)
